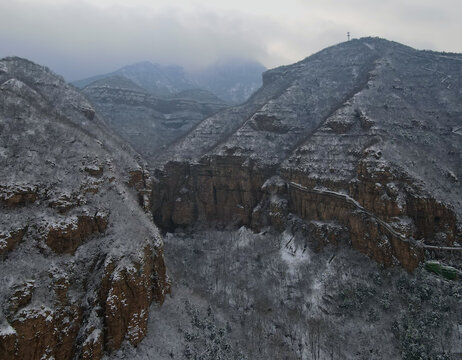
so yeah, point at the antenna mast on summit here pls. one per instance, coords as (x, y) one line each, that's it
(348, 35)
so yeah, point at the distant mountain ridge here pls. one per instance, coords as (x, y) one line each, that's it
(151, 106)
(157, 79)
(231, 80)
(149, 122)
(116, 81)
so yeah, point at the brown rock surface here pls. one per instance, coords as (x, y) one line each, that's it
(216, 190)
(126, 293)
(18, 195)
(10, 239)
(42, 332)
(69, 235)
(93, 347)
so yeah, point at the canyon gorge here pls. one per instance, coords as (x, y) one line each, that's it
(302, 223)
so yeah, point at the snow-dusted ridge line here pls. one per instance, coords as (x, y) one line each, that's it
(387, 226)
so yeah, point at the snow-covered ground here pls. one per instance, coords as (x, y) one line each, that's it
(244, 295)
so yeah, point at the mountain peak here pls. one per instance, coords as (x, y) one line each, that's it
(232, 80)
(365, 88)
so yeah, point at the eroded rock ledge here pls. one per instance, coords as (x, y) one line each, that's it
(100, 298)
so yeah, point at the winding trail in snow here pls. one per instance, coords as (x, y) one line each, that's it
(358, 206)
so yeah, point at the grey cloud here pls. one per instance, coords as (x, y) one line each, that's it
(78, 39)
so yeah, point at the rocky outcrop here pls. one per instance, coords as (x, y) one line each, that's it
(37, 331)
(140, 180)
(35, 335)
(273, 208)
(217, 192)
(367, 233)
(64, 202)
(323, 233)
(391, 194)
(67, 236)
(224, 191)
(126, 293)
(21, 296)
(18, 195)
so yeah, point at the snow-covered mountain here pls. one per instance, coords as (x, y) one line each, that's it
(319, 219)
(231, 80)
(356, 147)
(80, 259)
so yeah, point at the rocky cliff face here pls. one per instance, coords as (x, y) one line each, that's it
(346, 131)
(80, 259)
(214, 191)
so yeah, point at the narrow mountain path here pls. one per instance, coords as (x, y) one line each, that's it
(360, 208)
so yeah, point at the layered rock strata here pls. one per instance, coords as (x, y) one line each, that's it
(226, 191)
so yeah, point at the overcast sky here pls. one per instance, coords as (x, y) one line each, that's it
(79, 38)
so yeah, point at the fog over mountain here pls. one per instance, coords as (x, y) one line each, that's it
(81, 38)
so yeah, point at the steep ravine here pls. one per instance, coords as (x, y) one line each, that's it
(269, 209)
